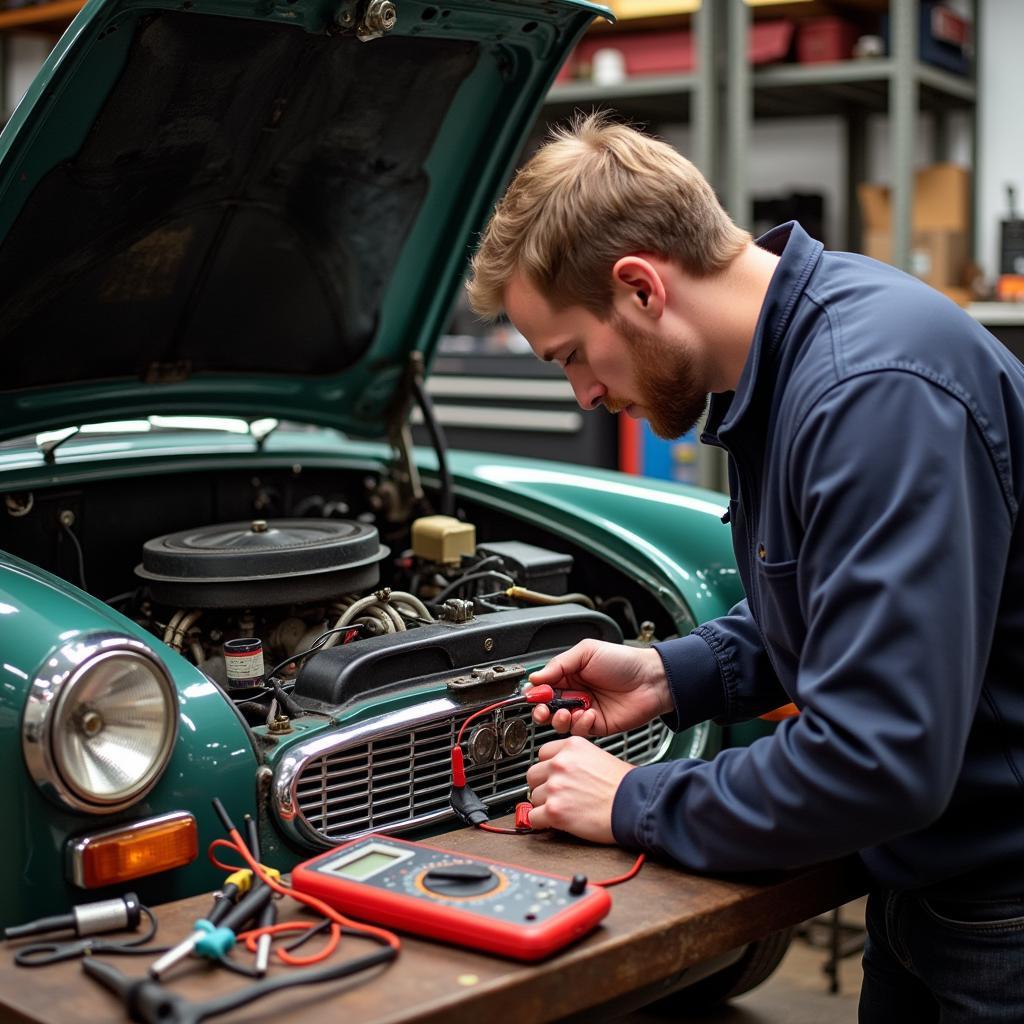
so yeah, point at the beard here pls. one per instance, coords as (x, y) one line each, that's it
(666, 379)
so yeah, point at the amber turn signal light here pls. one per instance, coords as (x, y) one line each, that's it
(134, 851)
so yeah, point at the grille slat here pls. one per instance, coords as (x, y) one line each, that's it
(400, 778)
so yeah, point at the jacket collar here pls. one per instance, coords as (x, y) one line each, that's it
(798, 256)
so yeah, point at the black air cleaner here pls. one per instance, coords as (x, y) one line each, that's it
(262, 562)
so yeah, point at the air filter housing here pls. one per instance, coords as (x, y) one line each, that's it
(262, 562)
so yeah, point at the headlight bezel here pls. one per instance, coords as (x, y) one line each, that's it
(51, 689)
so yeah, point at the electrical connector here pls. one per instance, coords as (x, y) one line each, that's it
(468, 806)
(523, 816)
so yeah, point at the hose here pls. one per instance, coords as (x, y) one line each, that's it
(534, 597)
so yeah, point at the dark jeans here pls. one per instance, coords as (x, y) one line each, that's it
(943, 960)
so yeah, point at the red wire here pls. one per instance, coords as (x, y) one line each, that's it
(631, 873)
(337, 919)
(637, 864)
(483, 711)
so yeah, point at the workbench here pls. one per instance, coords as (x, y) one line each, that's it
(663, 924)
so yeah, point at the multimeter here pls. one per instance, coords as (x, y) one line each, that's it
(485, 905)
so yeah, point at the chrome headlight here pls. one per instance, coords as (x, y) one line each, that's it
(100, 723)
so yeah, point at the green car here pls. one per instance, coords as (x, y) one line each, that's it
(230, 234)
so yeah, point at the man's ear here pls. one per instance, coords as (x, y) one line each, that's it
(637, 287)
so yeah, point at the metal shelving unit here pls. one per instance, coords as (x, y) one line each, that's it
(692, 98)
(724, 83)
(899, 85)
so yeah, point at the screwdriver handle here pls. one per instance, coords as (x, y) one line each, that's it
(248, 907)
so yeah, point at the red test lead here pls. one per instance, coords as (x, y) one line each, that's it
(571, 700)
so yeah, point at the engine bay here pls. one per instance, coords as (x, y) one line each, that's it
(249, 576)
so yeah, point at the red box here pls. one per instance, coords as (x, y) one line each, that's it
(770, 42)
(644, 53)
(825, 39)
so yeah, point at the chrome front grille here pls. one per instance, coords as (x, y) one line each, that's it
(388, 776)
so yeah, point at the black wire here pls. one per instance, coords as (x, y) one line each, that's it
(278, 689)
(627, 608)
(437, 439)
(284, 701)
(316, 646)
(490, 574)
(172, 1007)
(81, 557)
(307, 935)
(270, 683)
(41, 954)
(228, 964)
(491, 561)
(251, 993)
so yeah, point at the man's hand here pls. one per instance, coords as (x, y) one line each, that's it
(573, 786)
(627, 687)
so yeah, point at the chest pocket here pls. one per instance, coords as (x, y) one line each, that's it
(778, 605)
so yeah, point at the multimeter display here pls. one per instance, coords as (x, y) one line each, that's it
(364, 865)
(485, 905)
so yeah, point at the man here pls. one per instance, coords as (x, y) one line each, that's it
(876, 463)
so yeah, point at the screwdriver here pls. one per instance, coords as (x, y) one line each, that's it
(238, 915)
(268, 916)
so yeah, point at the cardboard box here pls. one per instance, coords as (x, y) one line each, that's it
(940, 224)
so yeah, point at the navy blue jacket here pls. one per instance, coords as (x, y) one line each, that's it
(876, 443)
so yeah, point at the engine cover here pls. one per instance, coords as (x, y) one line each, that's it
(392, 663)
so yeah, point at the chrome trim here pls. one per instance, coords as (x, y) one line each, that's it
(487, 417)
(443, 716)
(75, 848)
(56, 679)
(508, 388)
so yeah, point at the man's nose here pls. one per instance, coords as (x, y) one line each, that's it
(587, 388)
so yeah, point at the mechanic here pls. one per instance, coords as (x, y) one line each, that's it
(875, 436)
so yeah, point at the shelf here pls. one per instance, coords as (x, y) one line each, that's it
(815, 89)
(783, 90)
(647, 98)
(54, 15)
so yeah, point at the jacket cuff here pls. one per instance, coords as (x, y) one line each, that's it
(694, 681)
(633, 796)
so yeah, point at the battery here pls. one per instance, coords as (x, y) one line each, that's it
(532, 567)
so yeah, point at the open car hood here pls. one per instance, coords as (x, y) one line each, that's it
(247, 207)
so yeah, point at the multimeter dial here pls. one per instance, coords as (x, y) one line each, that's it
(460, 880)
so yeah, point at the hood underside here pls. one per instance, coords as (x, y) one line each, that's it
(246, 209)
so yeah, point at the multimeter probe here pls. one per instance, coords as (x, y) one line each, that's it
(466, 804)
(473, 811)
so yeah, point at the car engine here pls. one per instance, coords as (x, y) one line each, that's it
(248, 601)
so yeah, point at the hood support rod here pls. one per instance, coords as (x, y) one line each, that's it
(437, 438)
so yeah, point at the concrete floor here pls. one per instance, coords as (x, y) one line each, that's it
(797, 993)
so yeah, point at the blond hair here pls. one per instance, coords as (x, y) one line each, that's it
(597, 191)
